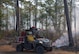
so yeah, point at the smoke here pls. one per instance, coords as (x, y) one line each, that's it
(63, 40)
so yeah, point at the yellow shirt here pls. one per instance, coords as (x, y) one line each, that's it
(30, 38)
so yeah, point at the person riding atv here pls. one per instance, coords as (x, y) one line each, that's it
(35, 32)
(33, 42)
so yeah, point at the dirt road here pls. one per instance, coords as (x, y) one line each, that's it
(8, 49)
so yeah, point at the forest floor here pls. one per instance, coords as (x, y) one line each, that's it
(9, 49)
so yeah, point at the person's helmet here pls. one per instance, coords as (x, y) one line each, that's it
(33, 26)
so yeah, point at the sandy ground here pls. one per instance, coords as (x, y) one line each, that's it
(8, 49)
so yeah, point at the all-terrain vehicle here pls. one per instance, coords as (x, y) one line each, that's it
(39, 44)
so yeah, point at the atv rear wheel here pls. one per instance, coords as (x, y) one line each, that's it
(40, 50)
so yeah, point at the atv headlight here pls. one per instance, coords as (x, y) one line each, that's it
(40, 42)
(46, 40)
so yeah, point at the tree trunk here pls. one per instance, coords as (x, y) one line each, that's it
(71, 43)
(56, 15)
(7, 19)
(64, 24)
(36, 13)
(30, 14)
(17, 18)
(0, 16)
(46, 21)
(14, 18)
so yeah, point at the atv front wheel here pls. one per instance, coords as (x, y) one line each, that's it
(19, 48)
